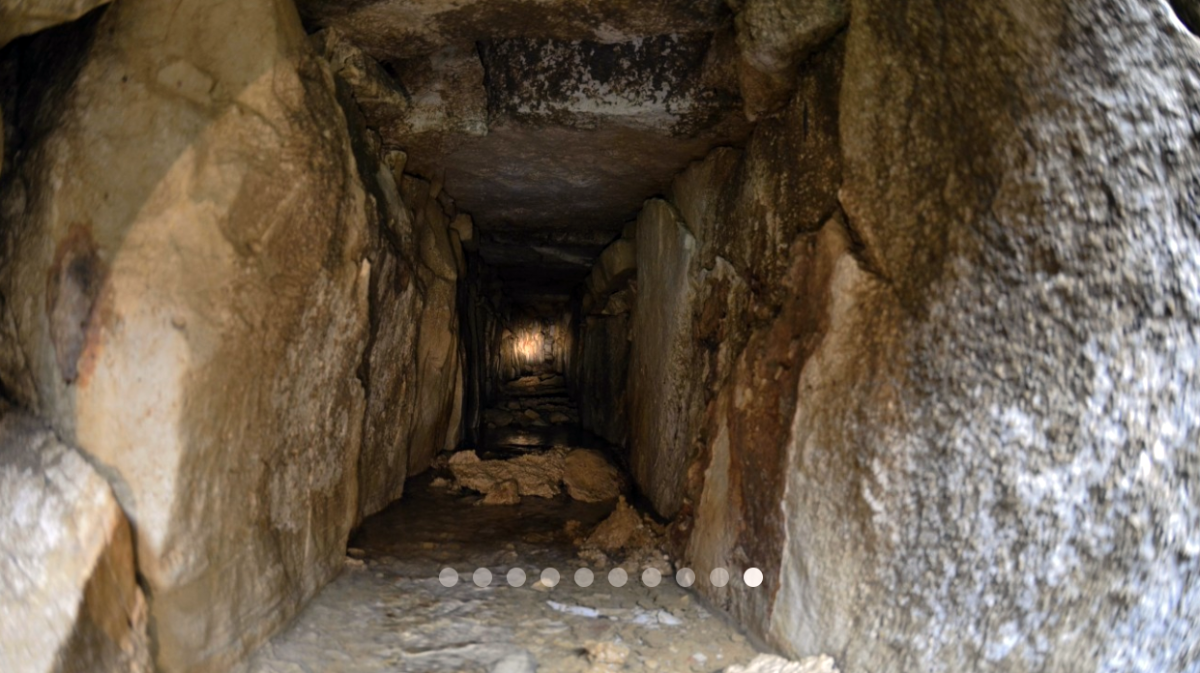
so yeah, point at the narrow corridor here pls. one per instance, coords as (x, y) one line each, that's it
(522, 595)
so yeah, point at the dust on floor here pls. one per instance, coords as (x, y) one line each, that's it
(390, 610)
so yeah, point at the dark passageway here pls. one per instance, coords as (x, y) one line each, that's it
(726, 336)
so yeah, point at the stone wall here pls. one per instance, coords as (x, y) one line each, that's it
(944, 306)
(217, 292)
(70, 593)
(599, 364)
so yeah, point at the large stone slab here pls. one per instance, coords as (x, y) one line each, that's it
(1011, 486)
(400, 29)
(186, 279)
(661, 394)
(69, 600)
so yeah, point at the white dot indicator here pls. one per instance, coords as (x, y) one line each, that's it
(719, 577)
(686, 577)
(617, 577)
(482, 577)
(651, 577)
(448, 577)
(584, 577)
(550, 577)
(516, 577)
(753, 577)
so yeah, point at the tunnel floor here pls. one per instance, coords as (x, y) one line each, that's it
(392, 611)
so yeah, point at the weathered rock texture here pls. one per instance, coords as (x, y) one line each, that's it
(590, 477)
(773, 37)
(69, 600)
(411, 370)
(953, 424)
(22, 17)
(185, 281)
(544, 126)
(538, 474)
(660, 359)
(399, 29)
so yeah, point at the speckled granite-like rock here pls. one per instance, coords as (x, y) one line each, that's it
(184, 273)
(69, 599)
(1013, 486)
(945, 319)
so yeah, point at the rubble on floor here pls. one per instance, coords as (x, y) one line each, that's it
(590, 476)
(395, 615)
(587, 475)
(535, 473)
(627, 539)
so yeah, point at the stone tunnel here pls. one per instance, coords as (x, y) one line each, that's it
(791, 336)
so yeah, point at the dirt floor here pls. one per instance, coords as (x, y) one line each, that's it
(392, 611)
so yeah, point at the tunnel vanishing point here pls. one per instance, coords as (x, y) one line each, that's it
(897, 303)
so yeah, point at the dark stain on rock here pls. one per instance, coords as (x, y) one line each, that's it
(73, 285)
(541, 80)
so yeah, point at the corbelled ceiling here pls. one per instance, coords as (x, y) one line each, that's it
(549, 122)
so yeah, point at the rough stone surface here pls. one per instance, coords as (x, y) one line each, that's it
(185, 276)
(1017, 470)
(661, 394)
(22, 17)
(599, 375)
(410, 368)
(774, 36)
(590, 477)
(397, 617)
(537, 474)
(1020, 444)
(399, 29)
(69, 600)
(619, 530)
(544, 139)
(507, 492)
(1009, 301)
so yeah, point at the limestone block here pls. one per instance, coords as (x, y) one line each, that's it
(661, 390)
(773, 36)
(69, 600)
(190, 294)
(589, 476)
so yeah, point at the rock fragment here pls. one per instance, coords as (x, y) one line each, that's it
(536, 474)
(69, 599)
(506, 492)
(590, 477)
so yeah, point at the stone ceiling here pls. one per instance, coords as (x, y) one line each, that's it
(550, 122)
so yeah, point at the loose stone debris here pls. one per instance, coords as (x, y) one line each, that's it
(395, 615)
